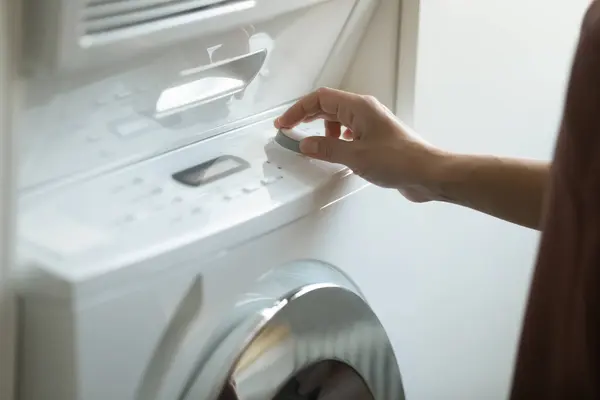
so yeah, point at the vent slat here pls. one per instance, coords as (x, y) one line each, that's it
(101, 9)
(108, 15)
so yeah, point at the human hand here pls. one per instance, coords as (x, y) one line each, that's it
(374, 145)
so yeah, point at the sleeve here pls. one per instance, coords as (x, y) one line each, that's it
(559, 352)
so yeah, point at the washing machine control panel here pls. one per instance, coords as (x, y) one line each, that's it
(183, 196)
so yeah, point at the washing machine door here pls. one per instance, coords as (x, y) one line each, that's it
(304, 332)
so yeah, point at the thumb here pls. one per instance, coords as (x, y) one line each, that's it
(329, 149)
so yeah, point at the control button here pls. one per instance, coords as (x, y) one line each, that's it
(177, 200)
(137, 181)
(128, 219)
(105, 154)
(130, 127)
(156, 191)
(270, 179)
(158, 207)
(92, 138)
(196, 210)
(202, 197)
(76, 126)
(251, 188)
(231, 196)
(123, 93)
(141, 215)
(100, 101)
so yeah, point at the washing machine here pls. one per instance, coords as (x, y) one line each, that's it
(169, 248)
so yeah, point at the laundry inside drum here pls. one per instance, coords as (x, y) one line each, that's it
(325, 380)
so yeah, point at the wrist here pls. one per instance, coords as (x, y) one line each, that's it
(425, 175)
(442, 175)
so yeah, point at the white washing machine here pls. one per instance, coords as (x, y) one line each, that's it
(168, 247)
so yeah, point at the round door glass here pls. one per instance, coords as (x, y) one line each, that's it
(326, 380)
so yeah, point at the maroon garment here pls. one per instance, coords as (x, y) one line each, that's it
(559, 354)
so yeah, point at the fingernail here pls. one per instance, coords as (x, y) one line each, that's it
(309, 146)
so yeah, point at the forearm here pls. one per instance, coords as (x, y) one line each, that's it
(509, 189)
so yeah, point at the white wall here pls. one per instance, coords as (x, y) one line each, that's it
(490, 78)
(491, 73)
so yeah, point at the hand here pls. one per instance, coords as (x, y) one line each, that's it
(374, 144)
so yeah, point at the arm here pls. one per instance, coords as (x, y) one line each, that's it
(386, 152)
(509, 189)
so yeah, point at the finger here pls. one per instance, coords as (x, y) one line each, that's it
(325, 100)
(350, 135)
(333, 129)
(329, 149)
(323, 116)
